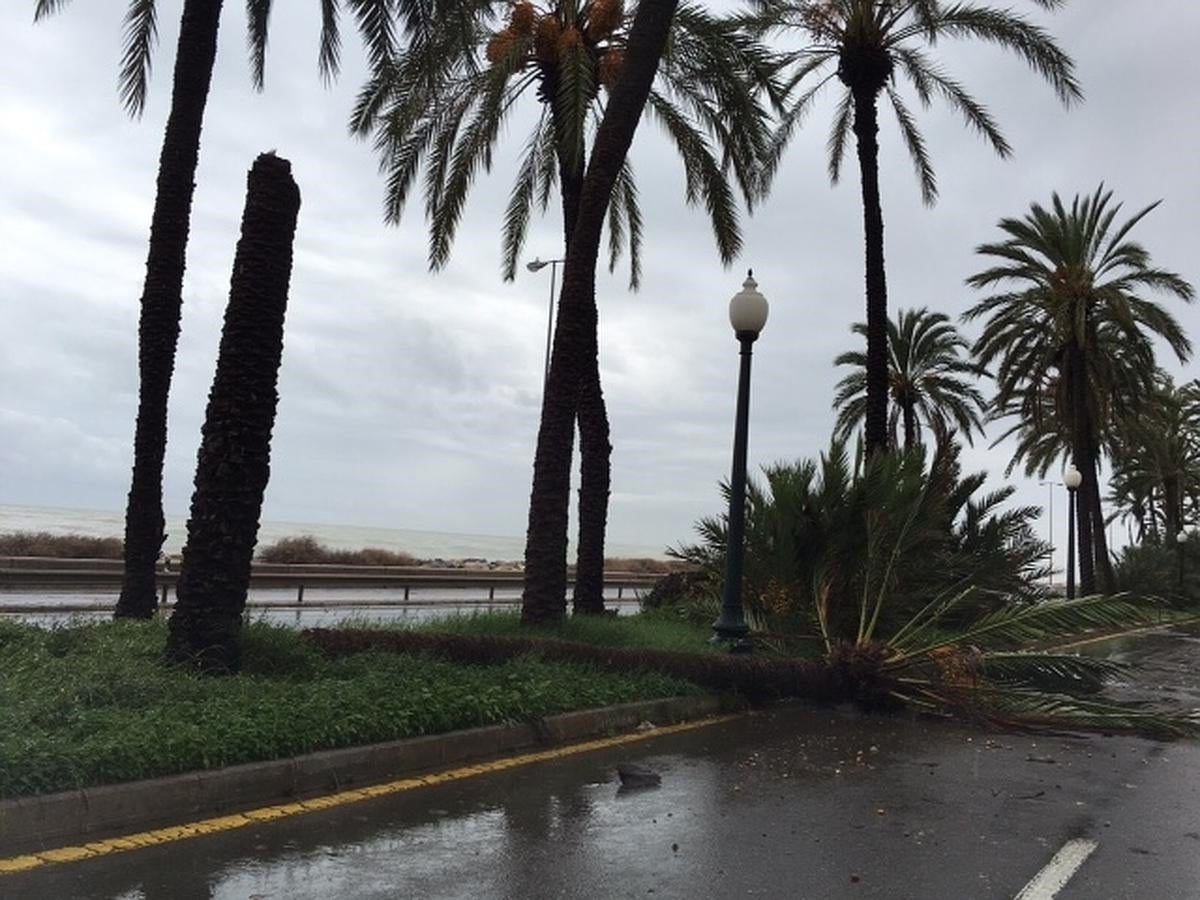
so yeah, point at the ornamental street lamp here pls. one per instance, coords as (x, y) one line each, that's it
(1072, 478)
(747, 314)
(536, 266)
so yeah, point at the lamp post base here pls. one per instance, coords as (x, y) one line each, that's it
(734, 638)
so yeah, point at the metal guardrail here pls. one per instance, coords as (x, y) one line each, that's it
(40, 573)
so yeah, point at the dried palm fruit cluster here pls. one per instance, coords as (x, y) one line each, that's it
(543, 38)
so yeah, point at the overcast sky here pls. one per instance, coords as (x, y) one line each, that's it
(410, 399)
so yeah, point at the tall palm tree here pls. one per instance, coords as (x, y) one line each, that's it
(234, 462)
(442, 102)
(575, 339)
(161, 301)
(1071, 334)
(867, 45)
(930, 381)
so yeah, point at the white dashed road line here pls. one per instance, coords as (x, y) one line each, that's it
(1055, 874)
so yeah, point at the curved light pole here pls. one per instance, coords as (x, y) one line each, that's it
(747, 314)
(1050, 530)
(536, 266)
(1072, 478)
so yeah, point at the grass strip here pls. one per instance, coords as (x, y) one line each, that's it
(653, 630)
(91, 704)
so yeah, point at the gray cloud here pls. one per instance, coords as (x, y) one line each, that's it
(410, 399)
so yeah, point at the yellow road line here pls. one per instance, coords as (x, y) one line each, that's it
(29, 861)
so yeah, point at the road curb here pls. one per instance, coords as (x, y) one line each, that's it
(36, 822)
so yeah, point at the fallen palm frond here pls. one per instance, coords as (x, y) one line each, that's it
(1041, 709)
(1017, 625)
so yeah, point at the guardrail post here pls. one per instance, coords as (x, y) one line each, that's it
(300, 594)
(620, 590)
(491, 592)
(163, 601)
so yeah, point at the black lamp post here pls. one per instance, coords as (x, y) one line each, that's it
(1180, 542)
(747, 314)
(536, 266)
(1072, 478)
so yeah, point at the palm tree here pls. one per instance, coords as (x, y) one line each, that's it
(867, 45)
(234, 461)
(928, 375)
(1073, 338)
(442, 102)
(1156, 459)
(161, 301)
(575, 339)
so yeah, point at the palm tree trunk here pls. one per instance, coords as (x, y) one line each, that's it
(866, 130)
(544, 598)
(910, 425)
(1104, 567)
(1171, 506)
(234, 460)
(595, 449)
(158, 327)
(1084, 459)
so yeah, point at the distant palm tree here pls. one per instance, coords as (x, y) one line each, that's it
(930, 381)
(1156, 459)
(866, 45)
(161, 302)
(443, 101)
(1072, 338)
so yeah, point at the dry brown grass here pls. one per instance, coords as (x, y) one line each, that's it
(60, 546)
(644, 564)
(307, 549)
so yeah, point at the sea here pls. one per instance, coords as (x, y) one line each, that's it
(322, 607)
(421, 544)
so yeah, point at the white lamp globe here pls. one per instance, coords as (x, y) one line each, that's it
(1072, 477)
(748, 308)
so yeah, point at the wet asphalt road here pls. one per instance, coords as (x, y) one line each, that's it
(793, 803)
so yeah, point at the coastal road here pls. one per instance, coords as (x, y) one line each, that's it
(792, 803)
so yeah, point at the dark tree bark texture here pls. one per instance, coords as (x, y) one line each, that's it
(234, 460)
(866, 131)
(575, 343)
(595, 448)
(158, 327)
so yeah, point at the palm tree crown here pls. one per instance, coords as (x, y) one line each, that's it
(1072, 338)
(374, 18)
(930, 379)
(442, 101)
(867, 45)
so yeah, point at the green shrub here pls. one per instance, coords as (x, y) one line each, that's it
(845, 549)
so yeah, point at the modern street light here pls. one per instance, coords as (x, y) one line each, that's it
(1072, 478)
(1050, 530)
(747, 314)
(536, 266)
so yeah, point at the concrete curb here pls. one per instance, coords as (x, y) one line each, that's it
(47, 820)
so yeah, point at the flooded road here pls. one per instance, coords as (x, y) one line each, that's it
(797, 802)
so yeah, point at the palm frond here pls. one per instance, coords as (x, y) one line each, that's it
(140, 34)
